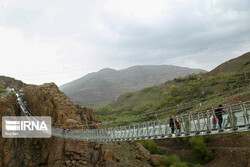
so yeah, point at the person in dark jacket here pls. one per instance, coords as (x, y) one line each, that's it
(171, 124)
(218, 113)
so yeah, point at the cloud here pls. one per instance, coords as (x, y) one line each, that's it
(66, 40)
(38, 60)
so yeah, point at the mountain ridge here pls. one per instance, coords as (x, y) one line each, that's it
(107, 84)
(179, 93)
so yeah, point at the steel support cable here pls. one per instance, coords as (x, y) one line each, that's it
(95, 124)
(113, 136)
(74, 134)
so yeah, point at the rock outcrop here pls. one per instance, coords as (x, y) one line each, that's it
(143, 152)
(47, 100)
(11, 82)
(8, 107)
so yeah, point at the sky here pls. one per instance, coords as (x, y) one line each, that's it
(61, 40)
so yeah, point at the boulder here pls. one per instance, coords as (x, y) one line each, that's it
(108, 155)
(143, 151)
(47, 100)
(75, 147)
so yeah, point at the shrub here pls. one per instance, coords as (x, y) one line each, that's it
(246, 62)
(148, 89)
(151, 146)
(179, 164)
(171, 161)
(200, 150)
(174, 91)
(2, 90)
(128, 95)
(167, 161)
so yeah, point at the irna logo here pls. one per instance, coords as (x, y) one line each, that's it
(25, 125)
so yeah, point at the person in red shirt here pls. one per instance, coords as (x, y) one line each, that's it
(214, 122)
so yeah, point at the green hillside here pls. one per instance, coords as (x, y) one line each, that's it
(180, 95)
(239, 64)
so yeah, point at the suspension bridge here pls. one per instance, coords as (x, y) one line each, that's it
(236, 119)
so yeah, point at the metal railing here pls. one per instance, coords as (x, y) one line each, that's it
(236, 118)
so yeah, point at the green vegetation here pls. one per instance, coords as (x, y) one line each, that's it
(246, 62)
(173, 97)
(151, 146)
(2, 90)
(200, 150)
(169, 161)
(182, 95)
(2, 93)
(179, 164)
(239, 64)
(201, 154)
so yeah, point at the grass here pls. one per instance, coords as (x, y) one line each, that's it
(151, 146)
(202, 154)
(171, 161)
(231, 135)
(2, 90)
(235, 65)
(176, 92)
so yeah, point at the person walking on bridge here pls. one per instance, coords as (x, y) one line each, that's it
(171, 124)
(218, 112)
(177, 123)
(214, 122)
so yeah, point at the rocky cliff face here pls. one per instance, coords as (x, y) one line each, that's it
(11, 82)
(54, 152)
(8, 147)
(48, 100)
